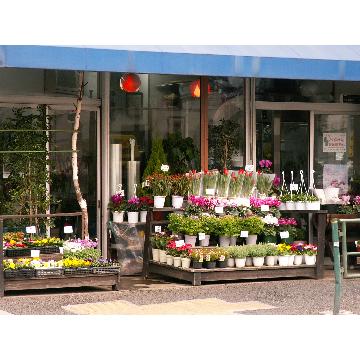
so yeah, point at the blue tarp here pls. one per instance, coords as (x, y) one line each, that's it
(334, 62)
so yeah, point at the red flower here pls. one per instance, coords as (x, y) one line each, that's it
(226, 171)
(241, 171)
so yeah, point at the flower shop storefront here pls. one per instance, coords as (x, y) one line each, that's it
(208, 131)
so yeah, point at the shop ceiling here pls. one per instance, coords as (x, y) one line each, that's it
(330, 62)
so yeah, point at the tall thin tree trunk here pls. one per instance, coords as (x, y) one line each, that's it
(74, 160)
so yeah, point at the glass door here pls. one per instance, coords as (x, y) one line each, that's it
(336, 152)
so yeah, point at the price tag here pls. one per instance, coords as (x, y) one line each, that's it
(68, 230)
(122, 192)
(147, 183)
(158, 229)
(201, 258)
(244, 234)
(164, 168)
(207, 258)
(222, 258)
(284, 234)
(336, 243)
(179, 243)
(210, 191)
(35, 253)
(294, 187)
(249, 168)
(61, 249)
(31, 229)
(201, 236)
(219, 210)
(265, 208)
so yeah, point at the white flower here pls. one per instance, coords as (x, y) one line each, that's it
(270, 220)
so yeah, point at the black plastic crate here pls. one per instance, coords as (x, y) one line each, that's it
(78, 271)
(106, 270)
(19, 273)
(17, 252)
(47, 249)
(44, 272)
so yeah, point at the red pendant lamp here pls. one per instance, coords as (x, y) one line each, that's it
(195, 88)
(130, 83)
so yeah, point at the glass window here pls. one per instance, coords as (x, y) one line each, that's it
(226, 123)
(165, 107)
(337, 153)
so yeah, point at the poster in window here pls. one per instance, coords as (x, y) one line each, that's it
(334, 142)
(335, 175)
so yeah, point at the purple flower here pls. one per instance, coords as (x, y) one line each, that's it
(117, 199)
(265, 164)
(134, 200)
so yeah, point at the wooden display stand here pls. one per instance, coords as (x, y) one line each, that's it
(51, 282)
(197, 276)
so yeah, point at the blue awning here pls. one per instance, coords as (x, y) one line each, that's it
(334, 62)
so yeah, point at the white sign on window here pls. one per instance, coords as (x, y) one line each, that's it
(334, 142)
(284, 234)
(31, 229)
(294, 187)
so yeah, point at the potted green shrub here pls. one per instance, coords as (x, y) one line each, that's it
(190, 226)
(254, 226)
(258, 253)
(207, 227)
(175, 223)
(228, 228)
(197, 258)
(160, 186)
(271, 254)
(312, 202)
(160, 241)
(239, 253)
(289, 201)
(300, 200)
(180, 185)
(231, 259)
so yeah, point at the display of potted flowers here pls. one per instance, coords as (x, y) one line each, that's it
(209, 182)
(270, 229)
(312, 202)
(132, 209)
(235, 186)
(223, 255)
(210, 258)
(198, 205)
(228, 229)
(145, 202)
(258, 253)
(159, 244)
(310, 252)
(265, 166)
(271, 254)
(223, 184)
(247, 188)
(181, 253)
(239, 253)
(195, 180)
(284, 251)
(20, 268)
(298, 251)
(288, 225)
(160, 186)
(74, 266)
(180, 185)
(254, 226)
(117, 205)
(197, 258)
(288, 202)
(190, 226)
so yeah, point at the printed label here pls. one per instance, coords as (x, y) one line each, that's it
(284, 234)
(207, 258)
(61, 250)
(336, 243)
(249, 168)
(31, 229)
(157, 228)
(210, 191)
(294, 187)
(122, 192)
(219, 209)
(265, 208)
(244, 234)
(201, 236)
(68, 229)
(35, 253)
(179, 243)
(222, 258)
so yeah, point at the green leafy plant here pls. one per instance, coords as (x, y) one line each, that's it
(253, 224)
(222, 253)
(209, 181)
(235, 185)
(286, 197)
(263, 184)
(228, 225)
(180, 185)
(160, 240)
(182, 154)
(175, 223)
(311, 198)
(190, 225)
(223, 184)
(271, 250)
(238, 252)
(160, 184)
(207, 224)
(157, 158)
(85, 254)
(259, 250)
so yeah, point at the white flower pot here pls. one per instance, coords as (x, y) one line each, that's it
(290, 205)
(251, 240)
(270, 260)
(313, 205)
(205, 242)
(298, 259)
(169, 260)
(156, 254)
(230, 262)
(159, 202)
(283, 260)
(162, 255)
(310, 259)
(240, 263)
(177, 201)
(258, 261)
(276, 260)
(118, 216)
(224, 241)
(185, 263)
(282, 206)
(233, 240)
(143, 215)
(248, 261)
(177, 261)
(271, 177)
(190, 239)
(133, 217)
(300, 205)
(291, 260)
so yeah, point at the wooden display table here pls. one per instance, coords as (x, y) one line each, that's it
(197, 276)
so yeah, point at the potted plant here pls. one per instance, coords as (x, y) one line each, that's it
(197, 258)
(190, 226)
(175, 223)
(289, 201)
(132, 209)
(160, 186)
(312, 202)
(117, 205)
(195, 179)
(270, 229)
(210, 258)
(185, 257)
(247, 188)
(228, 228)
(271, 254)
(263, 184)
(223, 184)
(298, 252)
(209, 181)
(231, 250)
(159, 241)
(254, 225)
(145, 202)
(179, 189)
(284, 198)
(223, 255)
(235, 187)
(239, 253)
(300, 200)
(207, 226)
(288, 225)
(265, 166)
(284, 251)
(310, 252)
(21, 268)
(258, 253)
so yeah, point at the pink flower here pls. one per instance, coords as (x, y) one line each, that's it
(276, 181)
